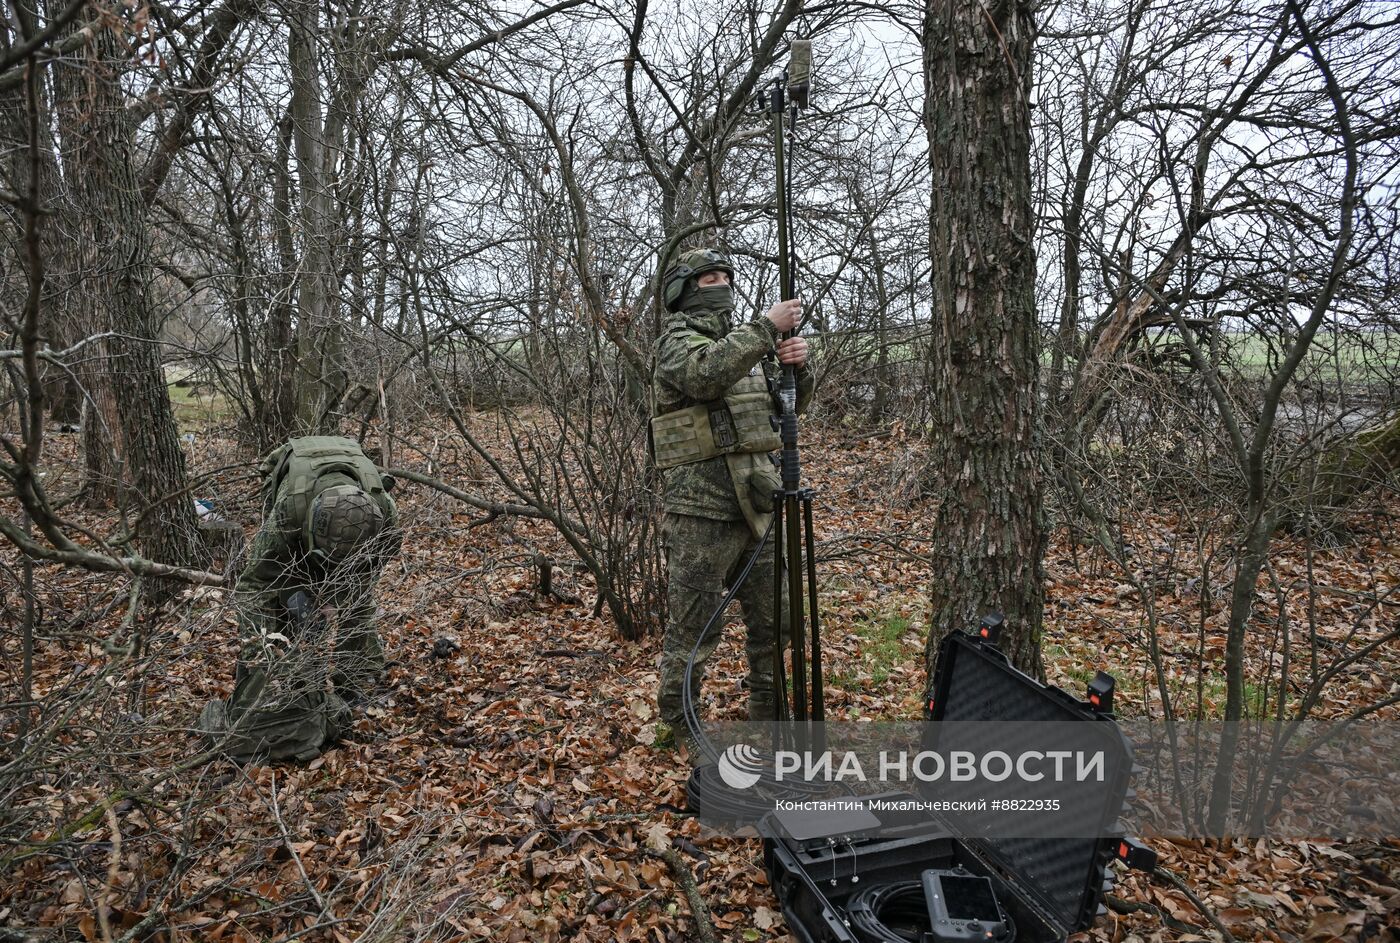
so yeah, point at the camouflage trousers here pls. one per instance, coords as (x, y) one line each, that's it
(280, 708)
(703, 557)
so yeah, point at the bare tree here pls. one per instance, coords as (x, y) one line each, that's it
(985, 346)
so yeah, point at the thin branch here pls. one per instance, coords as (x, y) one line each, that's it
(56, 356)
(493, 507)
(437, 63)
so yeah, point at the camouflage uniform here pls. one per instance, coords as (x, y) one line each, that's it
(711, 526)
(279, 708)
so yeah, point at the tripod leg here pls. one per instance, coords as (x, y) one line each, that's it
(818, 692)
(794, 601)
(780, 697)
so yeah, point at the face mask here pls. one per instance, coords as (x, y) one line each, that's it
(715, 297)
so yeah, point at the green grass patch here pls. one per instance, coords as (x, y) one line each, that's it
(1066, 669)
(1213, 693)
(194, 406)
(1347, 358)
(880, 651)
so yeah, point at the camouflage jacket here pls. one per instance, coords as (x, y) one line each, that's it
(698, 358)
(279, 564)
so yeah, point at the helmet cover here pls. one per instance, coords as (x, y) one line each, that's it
(342, 519)
(691, 264)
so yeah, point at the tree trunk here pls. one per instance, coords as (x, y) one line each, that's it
(98, 419)
(985, 348)
(84, 316)
(879, 402)
(112, 217)
(320, 336)
(82, 394)
(279, 340)
(61, 394)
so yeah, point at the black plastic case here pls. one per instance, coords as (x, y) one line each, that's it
(1051, 887)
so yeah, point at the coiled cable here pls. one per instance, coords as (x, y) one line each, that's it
(890, 913)
(898, 913)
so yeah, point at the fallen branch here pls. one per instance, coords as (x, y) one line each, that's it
(1196, 902)
(291, 848)
(699, 910)
(1120, 906)
(102, 563)
(104, 909)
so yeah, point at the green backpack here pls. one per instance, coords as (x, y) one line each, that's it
(303, 460)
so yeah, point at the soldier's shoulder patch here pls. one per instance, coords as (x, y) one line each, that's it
(681, 338)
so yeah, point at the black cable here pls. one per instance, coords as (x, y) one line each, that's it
(692, 718)
(708, 793)
(705, 790)
(898, 913)
(890, 913)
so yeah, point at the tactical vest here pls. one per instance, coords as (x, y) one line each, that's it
(737, 424)
(302, 461)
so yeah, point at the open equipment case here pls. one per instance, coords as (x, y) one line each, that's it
(819, 863)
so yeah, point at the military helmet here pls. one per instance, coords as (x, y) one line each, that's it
(688, 265)
(343, 518)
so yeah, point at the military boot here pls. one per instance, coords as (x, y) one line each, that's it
(763, 706)
(213, 722)
(339, 717)
(677, 735)
(693, 754)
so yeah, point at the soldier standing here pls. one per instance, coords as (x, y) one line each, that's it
(713, 394)
(329, 528)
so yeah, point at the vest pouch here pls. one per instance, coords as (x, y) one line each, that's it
(683, 436)
(751, 406)
(739, 424)
(763, 482)
(744, 468)
(271, 470)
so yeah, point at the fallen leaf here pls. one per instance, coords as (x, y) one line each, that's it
(658, 837)
(1328, 926)
(1235, 916)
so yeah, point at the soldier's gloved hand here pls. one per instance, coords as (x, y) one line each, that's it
(786, 315)
(299, 605)
(793, 351)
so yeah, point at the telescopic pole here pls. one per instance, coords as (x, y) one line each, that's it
(793, 505)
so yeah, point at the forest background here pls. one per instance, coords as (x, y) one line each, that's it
(437, 227)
